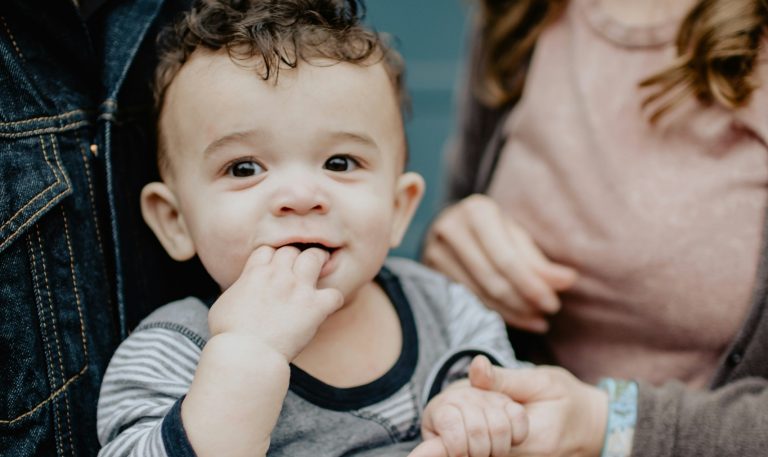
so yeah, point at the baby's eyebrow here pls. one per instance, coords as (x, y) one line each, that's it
(353, 137)
(233, 138)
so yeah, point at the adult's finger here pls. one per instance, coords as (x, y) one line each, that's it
(512, 310)
(440, 257)
(511, 256)
(519, 384)
(464, 246)
(557, 276)
(482, 375)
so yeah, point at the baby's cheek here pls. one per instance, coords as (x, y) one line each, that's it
(223, 263)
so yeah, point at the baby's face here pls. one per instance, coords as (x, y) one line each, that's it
(313, 160)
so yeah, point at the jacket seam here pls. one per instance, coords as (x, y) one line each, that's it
(59, 129)
(56, 117)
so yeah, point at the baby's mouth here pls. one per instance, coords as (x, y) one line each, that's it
(304, 246)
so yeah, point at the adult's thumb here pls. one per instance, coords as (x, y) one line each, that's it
(520, 384)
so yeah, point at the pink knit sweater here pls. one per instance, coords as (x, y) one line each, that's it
(662, 222)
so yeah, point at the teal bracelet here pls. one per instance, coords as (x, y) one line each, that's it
(622, 417)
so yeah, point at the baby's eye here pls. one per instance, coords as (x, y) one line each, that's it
(341, 163)
(244, 169)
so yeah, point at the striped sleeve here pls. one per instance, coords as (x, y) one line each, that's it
(148, 375)
(473, 330)
(473, 326)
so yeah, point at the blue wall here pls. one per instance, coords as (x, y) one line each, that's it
(430, 36)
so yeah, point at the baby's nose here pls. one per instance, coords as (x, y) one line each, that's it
(299, 198)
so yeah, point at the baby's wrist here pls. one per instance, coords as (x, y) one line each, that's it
(238, 345)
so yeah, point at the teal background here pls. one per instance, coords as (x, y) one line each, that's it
(431, 37)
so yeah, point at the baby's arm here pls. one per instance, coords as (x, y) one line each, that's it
(258, 326)
(235, 391)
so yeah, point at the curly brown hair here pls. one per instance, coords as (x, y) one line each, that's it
(717, 47)
(281, 33)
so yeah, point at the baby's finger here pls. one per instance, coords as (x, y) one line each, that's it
(499, 430)
(309, 263)
(518, 422)
(284, 258)
(262, 255)
(328, 300)
(430, 448)
(478, 432)
(449, 425)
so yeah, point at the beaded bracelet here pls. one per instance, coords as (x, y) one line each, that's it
(622, 416)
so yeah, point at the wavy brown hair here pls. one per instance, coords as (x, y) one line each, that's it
(717, 48)
(281, 34)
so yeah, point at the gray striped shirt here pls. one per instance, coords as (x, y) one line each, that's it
(443, 326)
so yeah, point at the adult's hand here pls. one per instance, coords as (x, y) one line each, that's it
(473, 243)
(566, 416)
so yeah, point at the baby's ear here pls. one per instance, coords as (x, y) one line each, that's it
(410, 189)
(161, 212)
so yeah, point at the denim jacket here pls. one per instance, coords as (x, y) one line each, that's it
(78, 267)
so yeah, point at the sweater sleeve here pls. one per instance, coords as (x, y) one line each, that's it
(473, 326)
(673, 421)
(139, 405)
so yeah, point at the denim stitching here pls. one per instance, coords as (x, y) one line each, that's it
(87, 168)
(75, 288)
(59, 129)
(56, 117)
(62, 374)
(79, 315)
(58, 161)
(13, 39)
(49, 357)
(64, 386)
(42, 319)
(32, 217)
(65, 399)
(44, 332)
(53, 395)
(58, 181)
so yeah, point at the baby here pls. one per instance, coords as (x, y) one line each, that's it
(282, 153)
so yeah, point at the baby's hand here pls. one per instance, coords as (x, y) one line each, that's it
(467, 421)
(276, 299)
